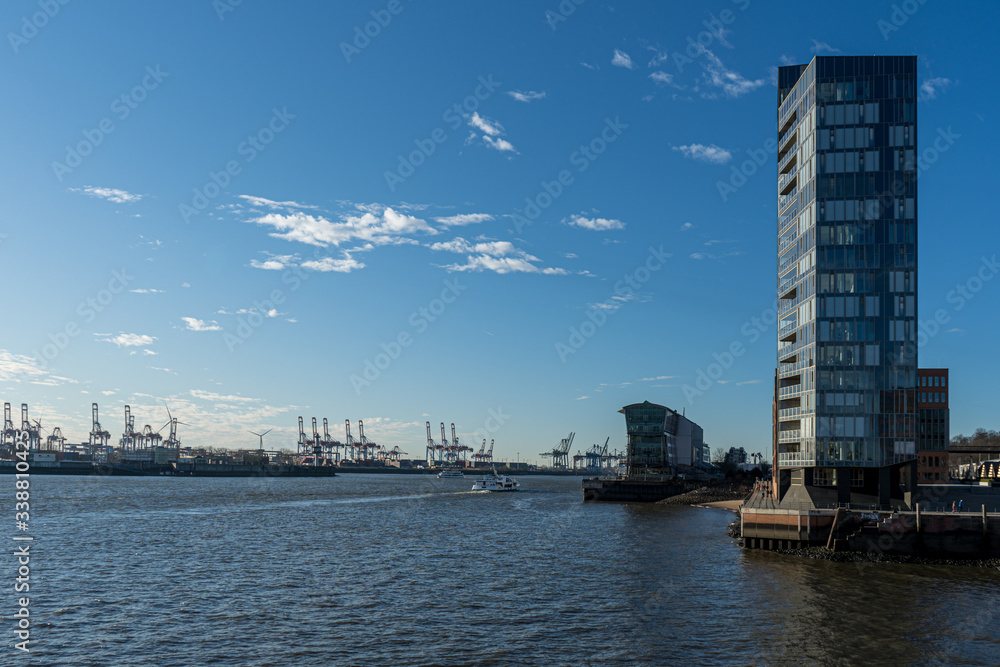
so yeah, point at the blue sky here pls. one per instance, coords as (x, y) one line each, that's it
(529, 212)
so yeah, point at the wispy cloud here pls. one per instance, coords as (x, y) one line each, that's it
(194, 324)
(663, 77)
(464, 219)
(492, 131)
(491, 128)
(496, 256)
(275, 262)
(380, 229)
(657, 378)
(144, 290)
(126, 339)
(270, 203)
(819, 47)
(622, 59)
(930, 88)
(686, 226)
(582, 398)
(527, 95)
(111, 194)
(731, 82)
(345, 264)
(711, 153)
(707, 255)
(595, 224)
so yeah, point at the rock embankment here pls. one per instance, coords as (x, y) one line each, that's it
(709, 494)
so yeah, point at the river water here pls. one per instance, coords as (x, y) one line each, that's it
(412, 570)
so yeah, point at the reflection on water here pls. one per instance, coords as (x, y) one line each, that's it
(369, 569)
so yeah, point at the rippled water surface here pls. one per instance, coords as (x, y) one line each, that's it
(403, 570)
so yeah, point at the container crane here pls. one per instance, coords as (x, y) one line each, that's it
(98, 437)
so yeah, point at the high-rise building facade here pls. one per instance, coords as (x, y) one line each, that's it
(846, 391)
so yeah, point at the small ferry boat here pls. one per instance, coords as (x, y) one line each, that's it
(451, 473)
(496, 482)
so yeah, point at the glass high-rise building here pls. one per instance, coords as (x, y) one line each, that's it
(845, 395)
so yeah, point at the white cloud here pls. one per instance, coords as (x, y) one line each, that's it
(662, 77)
(930, 88)
(787, 60)
(706, 255)
(657, 378)
(570, 255)
(345, 265)
(127, 339)
(740, 384)
(596, 224)
(732, 83)
(143, 290)
(485, 126)
(269, 203)
(499, 144)
(111, 194)
(194, 324)
(582, 398)
(274, 262)
(381, 229)
(711, 153)
(107, 392)
(686, 226)
(464, 219)
(497, 256)
(526, 96)
(822, 47)
(220, 398)
(622, 59)
(14, 367)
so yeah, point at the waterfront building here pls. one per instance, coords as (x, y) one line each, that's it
(934, 436)
(660, 440)
(846, 423)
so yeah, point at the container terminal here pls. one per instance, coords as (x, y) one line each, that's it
(158, 451)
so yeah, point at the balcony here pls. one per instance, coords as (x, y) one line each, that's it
(790, 413)
(790, 390)
(786, 161)
(787, 217)
(786, 182)
(792, 435)
(786, 371)
(786, 141)
(786, 261)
